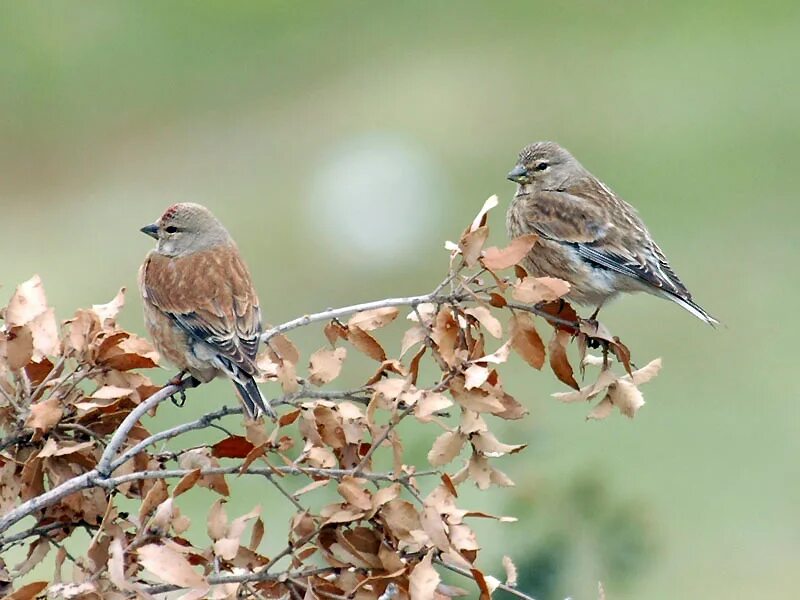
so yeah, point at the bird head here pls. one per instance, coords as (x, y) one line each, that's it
(546, 164)
(186, 228)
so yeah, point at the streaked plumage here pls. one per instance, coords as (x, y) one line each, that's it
(199, 302)
(589, 236)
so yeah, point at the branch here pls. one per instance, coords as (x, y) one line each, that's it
(334, 313)
(465, 573)
(89, 479)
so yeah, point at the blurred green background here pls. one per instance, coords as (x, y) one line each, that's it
(343, 142)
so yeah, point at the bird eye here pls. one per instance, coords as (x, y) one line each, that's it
(171, 229)
(542, 166)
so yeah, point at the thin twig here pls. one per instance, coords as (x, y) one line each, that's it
(333, 313)
(467, 574)
(88, 479)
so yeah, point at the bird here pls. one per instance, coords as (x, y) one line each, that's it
(200, 306)
(588, 236)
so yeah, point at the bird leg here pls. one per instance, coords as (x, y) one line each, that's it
(182, 383)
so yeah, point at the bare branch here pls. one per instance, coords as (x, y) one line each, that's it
(465, 573)
(334, 313)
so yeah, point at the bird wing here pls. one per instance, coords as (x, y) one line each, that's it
(210, 296)
(604, 230)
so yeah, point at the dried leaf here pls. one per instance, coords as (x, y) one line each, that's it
(170, 566)
(423, 579)
(44, 415)
(366, 344)
(445, 335)
(558, 358)
(412, 336)
(496, 259)
(475, 376)
(429, 404)
(525, 340)
(351, 490)
(27, 303)
(533, 290)
(107, 313)
(487, 319)
(472, 243)
(28, 591)
(626, 397)
(480, 218)
(445, 448)
(369, 320)
(186, 483)
(19, 347)
(234, 446)
(155, 496)
(602, 410)
(326, 364)
(488, 445)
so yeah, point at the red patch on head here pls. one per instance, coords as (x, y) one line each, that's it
(170, 212)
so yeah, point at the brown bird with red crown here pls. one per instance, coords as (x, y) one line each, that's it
(588, 235)
(200, 306)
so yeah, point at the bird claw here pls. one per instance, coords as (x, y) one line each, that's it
(181, 400)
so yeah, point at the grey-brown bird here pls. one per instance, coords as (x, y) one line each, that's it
(200, 306)
(589, 236)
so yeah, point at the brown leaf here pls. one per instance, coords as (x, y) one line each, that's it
(472, 243)
(19, 347)
(480, 218)
(44, 415)
(525, 340)
(445, 448)
(445, 335)
(325, 365)
(475, 376)
(285, 348)
(157, 494)
(44, 330)
(497, 300)
(353, 491)
(186, 483)
(234, 446)
(475, 399)
(430, 403)
(366, 344)
(423, 579)
(401, 518)
(558, 358)
(170, 566)
(28, 591)
(287, 375)
(107, 313)
(626, 397)
(27, 303)
(488, 445)
(496, 259)
(487, 319)
(368, 320)
(533, 290)
(36, 553)
(479, 578)
(411, 337)
(602, 410)
(334, 331)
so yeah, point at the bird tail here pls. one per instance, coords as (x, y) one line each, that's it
(692, 307)
(254, 402)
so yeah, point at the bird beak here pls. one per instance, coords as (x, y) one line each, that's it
(518, 174)
(151, 230)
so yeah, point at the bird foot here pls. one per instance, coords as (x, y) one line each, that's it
(184, 384)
